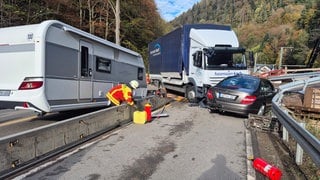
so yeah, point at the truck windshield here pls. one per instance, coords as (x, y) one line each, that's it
(225, 60)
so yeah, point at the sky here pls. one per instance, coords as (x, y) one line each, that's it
(169, 9)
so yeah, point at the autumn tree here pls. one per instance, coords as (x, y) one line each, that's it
(262, 26)
(140, 24)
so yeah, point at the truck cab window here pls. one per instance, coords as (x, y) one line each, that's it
(220, 58)
(197, 59)
(84, 61)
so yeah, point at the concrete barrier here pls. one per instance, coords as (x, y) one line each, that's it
(25, 148)
(22, 148)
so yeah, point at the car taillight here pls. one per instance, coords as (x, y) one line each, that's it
(30, 85)
(210, 94)
(25, 105)
(248, 99)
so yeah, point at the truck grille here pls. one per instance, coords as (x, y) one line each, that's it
(215, 80)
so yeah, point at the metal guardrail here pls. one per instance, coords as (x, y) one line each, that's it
(309, 143)
(294, 76)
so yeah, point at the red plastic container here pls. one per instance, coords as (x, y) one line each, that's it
(147, 109)
(266, 169)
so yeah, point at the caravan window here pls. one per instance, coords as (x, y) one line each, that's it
(84, 61)
(140, 73)
(103, 65)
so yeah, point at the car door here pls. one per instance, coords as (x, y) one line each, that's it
(267, 90)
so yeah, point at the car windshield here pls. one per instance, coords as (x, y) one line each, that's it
(239, 82)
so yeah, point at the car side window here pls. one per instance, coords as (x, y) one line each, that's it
(266, 86)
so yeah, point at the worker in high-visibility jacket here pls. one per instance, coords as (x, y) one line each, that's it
(122, 92)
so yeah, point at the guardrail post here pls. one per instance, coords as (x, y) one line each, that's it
(285, 135)
(299, 150)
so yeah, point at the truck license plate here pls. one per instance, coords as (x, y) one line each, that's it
(4, 92)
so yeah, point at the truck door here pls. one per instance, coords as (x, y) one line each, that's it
(196, 67)
(85, 71)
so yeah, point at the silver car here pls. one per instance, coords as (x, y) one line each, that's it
(241, 94)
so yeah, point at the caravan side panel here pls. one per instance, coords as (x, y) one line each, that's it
(61, 67)
(51, 53)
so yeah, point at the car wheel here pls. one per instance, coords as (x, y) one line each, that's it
(262, 110)
(191, 94)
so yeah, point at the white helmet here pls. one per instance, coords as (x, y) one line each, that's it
(134, 84)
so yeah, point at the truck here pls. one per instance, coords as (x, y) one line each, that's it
(194, 57)
(54, 67)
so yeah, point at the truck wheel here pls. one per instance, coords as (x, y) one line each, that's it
(191, 94)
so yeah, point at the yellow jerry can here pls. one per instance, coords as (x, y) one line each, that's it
(139, 117)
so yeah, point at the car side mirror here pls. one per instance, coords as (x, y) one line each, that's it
(276, 90)
(271, 92)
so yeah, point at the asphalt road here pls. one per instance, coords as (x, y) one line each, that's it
(189, 144)
(10, 114)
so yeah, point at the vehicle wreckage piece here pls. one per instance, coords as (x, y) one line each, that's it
(262, 123)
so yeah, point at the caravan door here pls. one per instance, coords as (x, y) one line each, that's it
(85, 70)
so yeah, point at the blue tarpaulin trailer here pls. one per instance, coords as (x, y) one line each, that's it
(195, 56)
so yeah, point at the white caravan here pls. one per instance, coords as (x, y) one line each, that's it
(52, 66)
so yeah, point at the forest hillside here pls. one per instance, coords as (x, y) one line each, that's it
(264, 26)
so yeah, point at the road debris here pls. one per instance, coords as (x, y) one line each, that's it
(263, 123)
